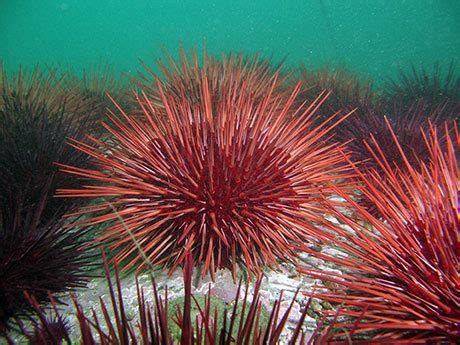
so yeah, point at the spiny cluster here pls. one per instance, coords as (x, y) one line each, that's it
(182, 78)
(239, 181)
(435, 91)
(402, 270)
(37, 254)
(348, 90)
(98, 85)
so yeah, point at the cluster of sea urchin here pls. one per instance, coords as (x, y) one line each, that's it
(238, 181)
(372, 123)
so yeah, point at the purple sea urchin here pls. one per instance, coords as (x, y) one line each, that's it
(36, 253)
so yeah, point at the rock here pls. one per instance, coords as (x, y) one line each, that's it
(225, 288)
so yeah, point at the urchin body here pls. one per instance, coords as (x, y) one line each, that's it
(228, 200)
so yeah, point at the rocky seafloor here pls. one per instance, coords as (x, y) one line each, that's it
(282, 282)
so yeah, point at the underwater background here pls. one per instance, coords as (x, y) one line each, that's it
(370, 37)
(319, 156)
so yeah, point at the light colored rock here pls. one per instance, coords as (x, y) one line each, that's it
(285, 279)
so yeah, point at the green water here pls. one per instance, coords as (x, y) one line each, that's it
(373, 37)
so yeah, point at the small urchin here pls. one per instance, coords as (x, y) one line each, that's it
(236, 183)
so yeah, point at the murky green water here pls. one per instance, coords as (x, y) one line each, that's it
(372, 37)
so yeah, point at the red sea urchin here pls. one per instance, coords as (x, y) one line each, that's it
(400, 275)
(234, 182)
